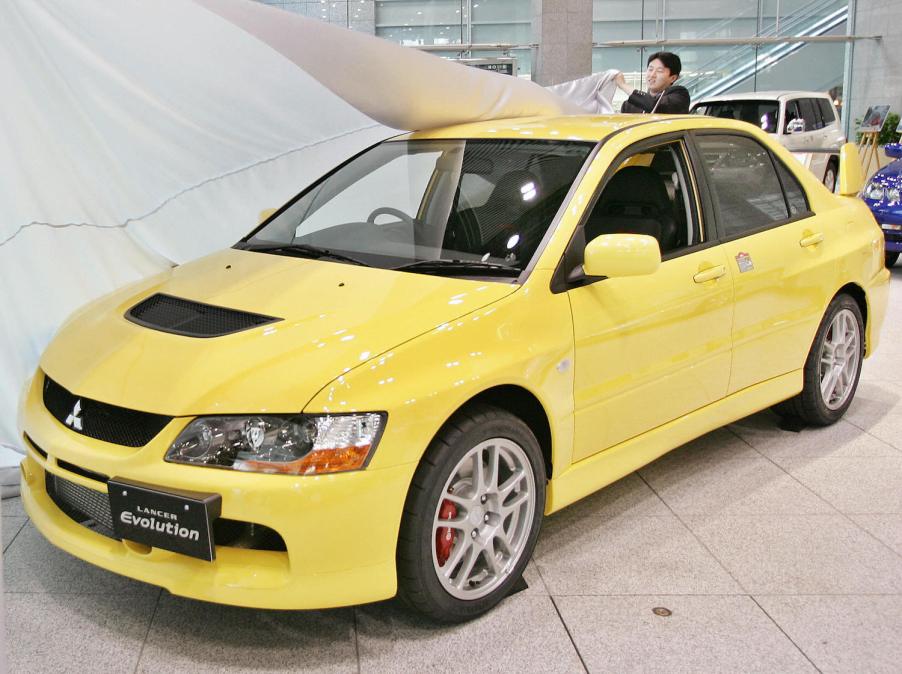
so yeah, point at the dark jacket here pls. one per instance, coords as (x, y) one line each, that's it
(674, 101)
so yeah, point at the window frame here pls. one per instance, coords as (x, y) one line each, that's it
(713, 213)
(573, 253)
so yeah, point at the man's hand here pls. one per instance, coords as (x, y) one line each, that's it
(620, 81)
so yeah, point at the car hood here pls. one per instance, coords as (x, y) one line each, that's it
(334, 317)
(891, 171)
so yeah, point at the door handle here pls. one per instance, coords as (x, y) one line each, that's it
(710, 274)
(811, 239)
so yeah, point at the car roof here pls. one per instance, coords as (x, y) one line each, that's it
(570, 127)
(762, 95)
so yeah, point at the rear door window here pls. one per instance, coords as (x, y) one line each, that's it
(746, 191)
(811, 114)
(828, 112)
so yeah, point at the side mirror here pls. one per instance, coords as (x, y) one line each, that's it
(616, 255)
(893, 150)
(265, 214)
(851, 177)
(796, 126)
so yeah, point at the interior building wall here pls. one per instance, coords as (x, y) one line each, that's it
(876, 75)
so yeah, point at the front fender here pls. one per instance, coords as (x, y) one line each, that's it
(525, 339)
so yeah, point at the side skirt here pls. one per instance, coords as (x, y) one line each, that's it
(597, 471)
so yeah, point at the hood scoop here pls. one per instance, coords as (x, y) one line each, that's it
(192, 319)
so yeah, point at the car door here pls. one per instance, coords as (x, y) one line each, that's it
(652, 348)
(777, 252)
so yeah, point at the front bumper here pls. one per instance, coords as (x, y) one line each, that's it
(340, 531)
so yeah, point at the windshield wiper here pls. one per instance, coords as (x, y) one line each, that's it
(460, 266)
(304, 250)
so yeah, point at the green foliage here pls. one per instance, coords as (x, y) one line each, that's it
(887, 133)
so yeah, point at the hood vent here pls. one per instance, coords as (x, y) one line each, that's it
(192, 319)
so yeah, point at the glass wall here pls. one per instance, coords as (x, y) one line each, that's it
(450, 22)
(706, 69)
(716, 69)
(433, 23)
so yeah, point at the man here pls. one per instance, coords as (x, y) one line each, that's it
(662, 97)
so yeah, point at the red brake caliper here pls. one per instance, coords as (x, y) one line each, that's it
(444, 536)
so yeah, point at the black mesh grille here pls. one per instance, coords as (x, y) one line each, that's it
(192, 319)
(100, 421)
(88, 507)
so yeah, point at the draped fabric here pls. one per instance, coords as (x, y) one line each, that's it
(136, 135)
(139, 134)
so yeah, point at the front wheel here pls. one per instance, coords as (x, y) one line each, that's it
(891, 259)
(833, 366)
(472, 516)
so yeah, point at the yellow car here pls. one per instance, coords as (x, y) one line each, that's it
(385, 387)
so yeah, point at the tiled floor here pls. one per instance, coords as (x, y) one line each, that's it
(773, 551)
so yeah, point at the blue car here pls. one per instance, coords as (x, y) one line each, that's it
(882, 195)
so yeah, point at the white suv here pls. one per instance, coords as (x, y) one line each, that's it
(803, 121)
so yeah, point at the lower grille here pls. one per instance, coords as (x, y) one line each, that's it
(91, 509)
(88, 507)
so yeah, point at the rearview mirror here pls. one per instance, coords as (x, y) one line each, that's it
(851, 177)
(795, 126)
(893, 150)
(616, 255)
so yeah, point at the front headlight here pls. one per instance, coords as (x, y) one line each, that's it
(874, 192)
(892, 195)
(292, 445)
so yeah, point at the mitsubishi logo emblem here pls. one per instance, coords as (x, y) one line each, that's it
(74, 419)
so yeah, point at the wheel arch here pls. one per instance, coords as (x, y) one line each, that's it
(524, 405)
(860, 296)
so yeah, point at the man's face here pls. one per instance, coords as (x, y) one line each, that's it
(658, 77)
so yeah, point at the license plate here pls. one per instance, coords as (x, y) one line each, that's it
(892, 228)
(180, 521)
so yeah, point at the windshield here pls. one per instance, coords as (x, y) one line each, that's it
(762, 114)
(468, 206)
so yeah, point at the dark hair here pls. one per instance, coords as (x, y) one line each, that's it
(670, 60)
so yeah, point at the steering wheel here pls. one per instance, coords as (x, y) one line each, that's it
(388, 210)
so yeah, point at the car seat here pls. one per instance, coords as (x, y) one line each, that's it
(635, 201)
(472, 229)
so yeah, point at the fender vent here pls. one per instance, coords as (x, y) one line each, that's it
(192, 319)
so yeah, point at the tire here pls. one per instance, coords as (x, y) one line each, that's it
(841, 328)
(830, 175)
(452, 574)
(891, 259)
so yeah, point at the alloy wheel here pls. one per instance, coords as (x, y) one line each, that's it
(839, 358)
(482, 521)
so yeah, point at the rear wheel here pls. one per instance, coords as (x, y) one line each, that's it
(472, 516)
(833, 366)
(891, 259)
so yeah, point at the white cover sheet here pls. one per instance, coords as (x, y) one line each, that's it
(138, 134)
(134, 135)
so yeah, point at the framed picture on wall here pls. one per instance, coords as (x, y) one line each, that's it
(874, 118)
